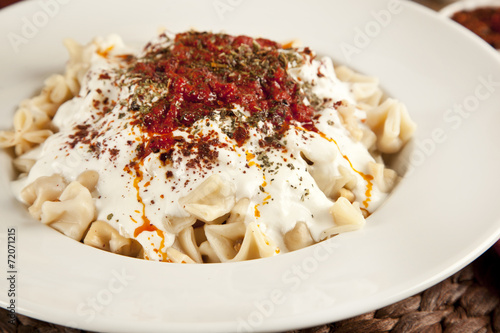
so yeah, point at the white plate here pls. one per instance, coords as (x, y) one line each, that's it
(440, 218)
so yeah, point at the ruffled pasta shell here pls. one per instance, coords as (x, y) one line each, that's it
(347, 217)
(175, 224)
(392, 125)
(103, 236)
(237, 242)
(239, 211)
(384, 178)
(350, 122)
(255, 245)
(188, 245)
(208, 254)
(88, 179)
(24, 165)
(211, 201)
(225, 239)
(178, 257)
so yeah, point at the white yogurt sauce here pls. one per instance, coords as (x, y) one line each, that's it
(287, 191)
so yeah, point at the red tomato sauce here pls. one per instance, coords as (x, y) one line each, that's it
(204, 72)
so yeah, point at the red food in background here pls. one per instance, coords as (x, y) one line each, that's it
(497, 247)
(5, 3)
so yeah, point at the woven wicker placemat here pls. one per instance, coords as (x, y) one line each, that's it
(467, 302)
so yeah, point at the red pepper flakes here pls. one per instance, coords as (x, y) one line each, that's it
(204, 72)
(104, 76)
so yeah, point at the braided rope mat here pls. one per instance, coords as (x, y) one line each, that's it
(467, 302)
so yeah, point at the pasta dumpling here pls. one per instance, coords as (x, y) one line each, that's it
(24, 165)
(178, 257)
(255, 245)
(175, 224)
(88, 179)
(31, 127)
(211, 201)
(365, 89)
(299, 237)
(346, 112)
(236, 242)
(225, 240)
(41, 190)
(103, 236)
(187, 242)
(54, 93)
(385, 178)
(392, 124)
(347, 217)
(346, 180)
(208, 254)
(239, 211)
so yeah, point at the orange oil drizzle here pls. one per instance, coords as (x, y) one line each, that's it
(105, 53)
(264, 202)
(288, 45)
(256, 211)
(266, 199)
(250, 157)
(146, 223)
